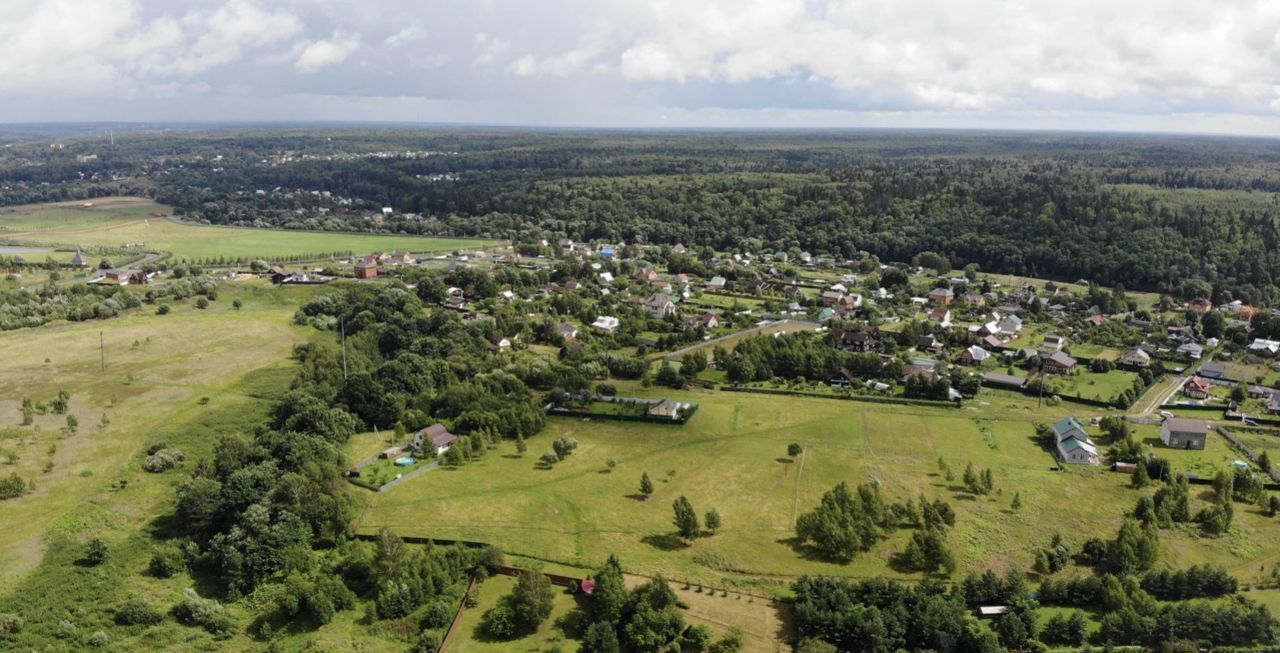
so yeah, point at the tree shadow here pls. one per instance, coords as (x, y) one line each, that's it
(785, 461)
(512, 456)
(638, 497)
(665, 542)
(805, 550)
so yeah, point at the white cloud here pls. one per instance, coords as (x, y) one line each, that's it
(410, 34)
(327, 52)
(490, 48)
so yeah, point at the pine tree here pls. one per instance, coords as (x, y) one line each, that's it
(1017, 501)
(686, 518)
(521, 446)
(1141, 478)
(646, 485)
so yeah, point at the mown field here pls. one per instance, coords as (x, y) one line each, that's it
(118, 221)
(732, 456)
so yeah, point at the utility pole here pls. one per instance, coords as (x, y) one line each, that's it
(102, 351)
(343, 325)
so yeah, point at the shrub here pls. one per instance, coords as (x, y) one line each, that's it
(95, 553)
(99, 639)
(163, 460)
(10, 624)
(499, 622)
(438, 615)
(193, 610)
(202, 302)
(136, 612)
(163, 309)
(166, 562)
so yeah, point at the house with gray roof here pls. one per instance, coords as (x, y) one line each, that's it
(1073, 445)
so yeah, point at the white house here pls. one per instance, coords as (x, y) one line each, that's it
(606, 323)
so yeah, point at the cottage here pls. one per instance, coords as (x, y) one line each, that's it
(1199, 305)
(830, 297)
(941, 296)
(1273, 404)
(647, 274)
(1263, 346)
(1060, 363)
(1182, 433)
(705, 321)
(1212, 370)
(930, 343)
(1010, 324)
(1190, 350)
(850, 340)
(1196, 388)
(679, 248)
(568, 332)
(1073, 444)
(1136, 357)
(974, 355)
(659, 306)
(1004, 381)
(402, 258)
(435, 438)
(716, 283)
(1054, 343)
(973, 300)
(367, 267)
(606, 323)
(668, 409)
(941, 315)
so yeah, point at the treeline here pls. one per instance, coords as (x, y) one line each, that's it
(34, 306)
(1147, 211)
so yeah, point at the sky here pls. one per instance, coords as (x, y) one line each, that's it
(1207, 66)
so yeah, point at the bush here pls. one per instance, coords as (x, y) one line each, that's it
(166, 562)
(428, 642)
(193, 610)
(95, 553)
(136, 612)
(163, 460)
(499, 622)
(10, 624)
(99, 639)
(437, 615)
(13, 486)
(163, 309)
(202, 302)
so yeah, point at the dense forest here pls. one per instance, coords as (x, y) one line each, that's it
(1183, 215)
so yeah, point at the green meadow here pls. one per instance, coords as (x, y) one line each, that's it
(115, 222)
(732, 456)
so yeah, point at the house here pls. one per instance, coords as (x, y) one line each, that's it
(1010, 324)
(124, 277)
(391, 452)
(402, 258)
(974, 355)
(941, 296)
(1054, 343)
(1199, 305)
(1212, 370)
(716, 283)
(1136, 357)
(830, 297)
(850, 340)
(606, 323)
(1073, 444)
(1190, 350)
(679, 248)
(566, 244)
(606, 277)
(925, 372)
(941, 315)
(1096, 320)
(1182, 433)
(502, 342)
(929, 343)
(704, 321)
(608, 251)
(1059, 363)
(973, 300)
(659, 306)
(992, 342)
(647, 274)
(1273, 404)
(668, 409)
(367, 267)
(1196, 388)
(1262, 346)
(567, 331)
(1004, 381)
(435, 438)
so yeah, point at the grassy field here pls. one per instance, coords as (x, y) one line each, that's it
(470, 639)
(731, 456)
(118, 221)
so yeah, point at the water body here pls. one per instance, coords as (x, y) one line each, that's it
(10, 250)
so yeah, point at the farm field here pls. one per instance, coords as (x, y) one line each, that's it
(115, 222)
(731, 456)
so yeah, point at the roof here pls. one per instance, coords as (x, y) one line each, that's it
(1213, 368)
(1185, 425)
(438, 435)
(996, 378)
(1065, 426)
(1198, 384)
(1061, 358)
(1071, 443)
(978, 353)
(942, 292)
